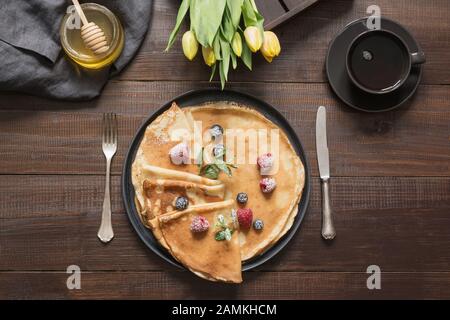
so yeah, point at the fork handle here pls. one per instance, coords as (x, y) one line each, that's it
(328, 231)
(105, 232)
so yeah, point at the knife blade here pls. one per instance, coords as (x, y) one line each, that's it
(323, 159)
(323, 156)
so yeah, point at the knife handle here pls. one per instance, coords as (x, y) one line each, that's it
(328, 231)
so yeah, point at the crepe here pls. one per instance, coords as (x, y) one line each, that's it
(278, 209)
(159, 137)
(158, 185)
(200, 252)
(158, 182)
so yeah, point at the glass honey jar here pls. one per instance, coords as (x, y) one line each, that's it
(73, 45)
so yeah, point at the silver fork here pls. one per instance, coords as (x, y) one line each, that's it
(109, 146)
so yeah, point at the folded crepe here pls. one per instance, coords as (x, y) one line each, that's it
(162, 187)
(277, 209)
(157, 181)
(167, 130)
(201, 252)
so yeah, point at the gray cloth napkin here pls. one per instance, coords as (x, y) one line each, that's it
(32, 60)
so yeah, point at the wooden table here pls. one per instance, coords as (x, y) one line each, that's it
(390, 187)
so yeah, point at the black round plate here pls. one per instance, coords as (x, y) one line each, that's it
(196, 98)
(349, 93)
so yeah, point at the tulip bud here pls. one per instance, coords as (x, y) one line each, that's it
(271, 46)
(190, 45)
(253, 38)
(208, 56)
(236, 44)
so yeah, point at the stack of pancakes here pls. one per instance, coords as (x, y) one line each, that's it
(158, 183)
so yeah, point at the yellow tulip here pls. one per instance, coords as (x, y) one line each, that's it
(236, 44)
(253, 38)
(271, 46)
(208, 56)
(190, 45)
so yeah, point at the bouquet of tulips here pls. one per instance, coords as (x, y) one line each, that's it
(220, 26)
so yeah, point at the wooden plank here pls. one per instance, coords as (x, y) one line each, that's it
(58, 137)
(291, 4)
(294, 7)
(49, 222)
(257, 286)
(304, 40)
(270, 10)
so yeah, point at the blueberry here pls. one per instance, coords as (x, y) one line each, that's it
(242, 198)
(219, 150)
(216, 131)
(258, 224)
(181, 203)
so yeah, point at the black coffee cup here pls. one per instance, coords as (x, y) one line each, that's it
(379, 61)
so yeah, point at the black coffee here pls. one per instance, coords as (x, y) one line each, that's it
(378, 61)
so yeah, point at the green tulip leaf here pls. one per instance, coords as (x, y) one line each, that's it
(246, 55)
(227, 27)
(233, 60)
(216, 47)
(206, 17)
(222, 76)
(248, 14)
(225, 65)
(235, 7)
(184, 7)
(213, 72)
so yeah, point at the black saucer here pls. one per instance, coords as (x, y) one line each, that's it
(349, 93)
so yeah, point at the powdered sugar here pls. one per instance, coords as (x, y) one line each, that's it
(267, 185)
(199, 224)
(265, 163)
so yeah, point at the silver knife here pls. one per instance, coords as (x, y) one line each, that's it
(323, 158)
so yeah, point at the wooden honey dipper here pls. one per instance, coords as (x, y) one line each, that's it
(93, 36)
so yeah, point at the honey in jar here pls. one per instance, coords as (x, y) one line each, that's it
(73, 44)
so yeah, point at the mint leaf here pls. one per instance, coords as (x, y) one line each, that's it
(227, 234)
(220, 236)
(210, 171)
(221, 223)
(223, 167)
(224, 235)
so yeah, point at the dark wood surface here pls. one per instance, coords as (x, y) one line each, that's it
(390, 188)
(277, 12)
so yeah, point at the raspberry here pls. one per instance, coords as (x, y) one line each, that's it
(242, 198)
(245, 218)
(267, 185)
(265, 162)
(258, 224)
(199, 224)
(181, 203)
(179, 154)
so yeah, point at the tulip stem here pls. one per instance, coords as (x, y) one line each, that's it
(254, 5)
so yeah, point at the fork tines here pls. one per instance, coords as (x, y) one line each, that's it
(109, 128)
